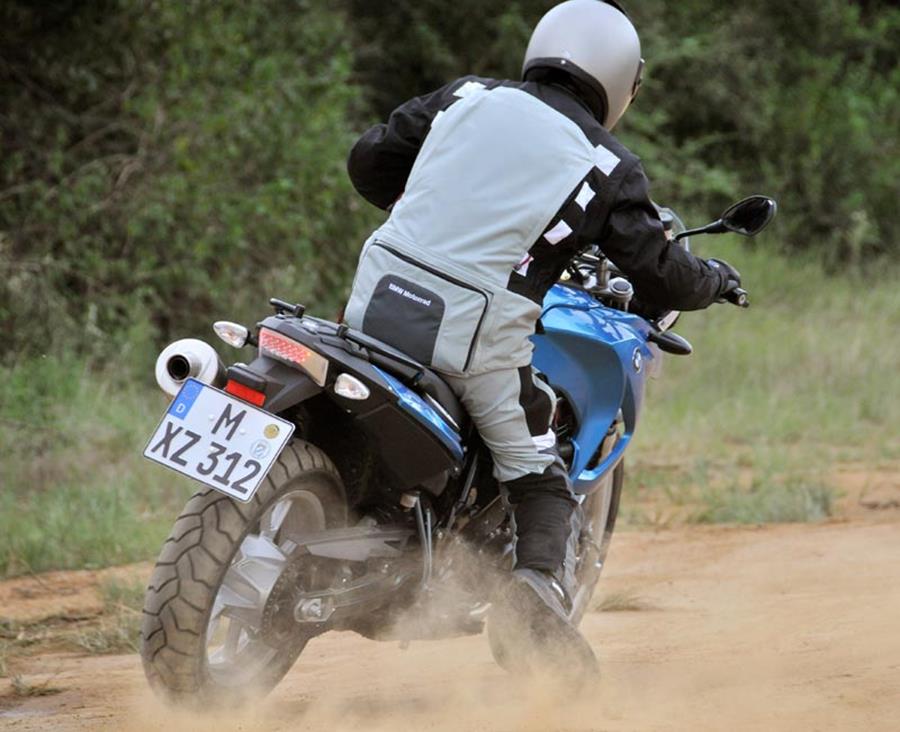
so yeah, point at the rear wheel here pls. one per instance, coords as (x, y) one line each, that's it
(217, 610)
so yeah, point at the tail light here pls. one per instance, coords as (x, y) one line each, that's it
(272, 343)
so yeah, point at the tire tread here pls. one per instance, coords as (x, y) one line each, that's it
(191, 563)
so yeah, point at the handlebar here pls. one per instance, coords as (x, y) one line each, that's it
(739, 297)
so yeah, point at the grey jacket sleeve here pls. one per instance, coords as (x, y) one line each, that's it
(664, 275)
(382, 158)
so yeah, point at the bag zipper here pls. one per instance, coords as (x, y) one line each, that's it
(452, 280)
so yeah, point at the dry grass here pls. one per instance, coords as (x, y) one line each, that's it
(23, 688)
(618, 602)
(114, 630)
(118, 634)
(118, 629)
(752, 426)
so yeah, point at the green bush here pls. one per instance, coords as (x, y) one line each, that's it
(165, 164)
(801, 101)
(170, 162)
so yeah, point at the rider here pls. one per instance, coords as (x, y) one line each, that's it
(492, 187)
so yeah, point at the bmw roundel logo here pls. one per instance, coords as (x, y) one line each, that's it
(637, 360)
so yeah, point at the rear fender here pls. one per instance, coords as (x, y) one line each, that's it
(285, 386)
(414, 443)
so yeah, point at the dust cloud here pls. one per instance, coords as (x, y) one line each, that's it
(398, 685)
(466, 702)
(775, 628)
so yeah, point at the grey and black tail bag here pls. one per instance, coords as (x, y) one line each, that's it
(432, 281)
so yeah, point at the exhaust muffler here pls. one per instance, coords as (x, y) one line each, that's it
(187, 358)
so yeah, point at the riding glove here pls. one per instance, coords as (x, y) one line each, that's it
(732, 276)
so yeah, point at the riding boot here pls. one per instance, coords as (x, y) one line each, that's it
(544, 504)
(536, 604)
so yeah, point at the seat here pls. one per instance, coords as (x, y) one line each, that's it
(414, 374)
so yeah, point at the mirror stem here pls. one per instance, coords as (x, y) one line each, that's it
(716, 227)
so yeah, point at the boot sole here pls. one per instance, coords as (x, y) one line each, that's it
(538, 638)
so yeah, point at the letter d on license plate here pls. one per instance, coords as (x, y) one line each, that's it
(221, 441)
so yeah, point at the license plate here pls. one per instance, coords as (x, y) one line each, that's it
(221, 441)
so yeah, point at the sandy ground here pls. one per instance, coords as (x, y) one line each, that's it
(777, 627)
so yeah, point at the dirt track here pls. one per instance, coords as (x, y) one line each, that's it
(788, 627)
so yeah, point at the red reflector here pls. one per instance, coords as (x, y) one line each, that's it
(246, 393)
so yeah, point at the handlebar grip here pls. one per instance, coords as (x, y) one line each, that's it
(739, 297)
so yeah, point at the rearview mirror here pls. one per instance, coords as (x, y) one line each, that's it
(747, 217)
(750, 216)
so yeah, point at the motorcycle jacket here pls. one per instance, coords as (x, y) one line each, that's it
(493, 186)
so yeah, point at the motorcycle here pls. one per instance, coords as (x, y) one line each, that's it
(344, 487)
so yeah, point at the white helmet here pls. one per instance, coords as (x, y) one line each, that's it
(596, 45)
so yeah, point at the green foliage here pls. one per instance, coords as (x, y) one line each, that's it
(767, 502)
(751, 426)
(801, 101)
(76, 491)
(166, 163)
(409, 47)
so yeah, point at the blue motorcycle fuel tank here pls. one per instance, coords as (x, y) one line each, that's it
(598, 358)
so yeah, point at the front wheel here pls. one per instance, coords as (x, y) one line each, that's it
(213, 626)
(600, 511)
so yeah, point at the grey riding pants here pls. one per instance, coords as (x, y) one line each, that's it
(512, 410)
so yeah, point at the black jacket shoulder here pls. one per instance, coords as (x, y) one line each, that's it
(382, 158)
